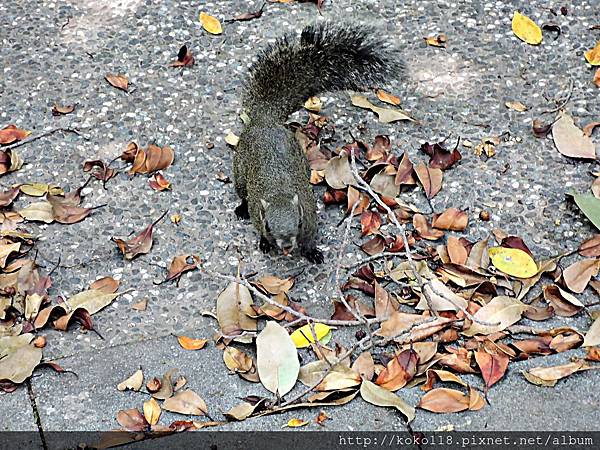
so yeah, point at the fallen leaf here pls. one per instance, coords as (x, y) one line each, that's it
(186, 402)
(108, 285)
(570, 140)
(134, 382)
(7, 197)
(210, 23)
(234, 311)
(38, 212)
(313, 104)
(118, 81)
(430, 179)
(492, 365)
(11, 134)
(404, 174)
(451, 219)
(592, 337)
(58, 110)
(132, 420)
(578, 275)
(385, 115)
(181, 264)
(596, 79)
(513, 261)
(437, 41)
(517, 106)
(295, 423)
(277, 359)
(303, 336)
(152, 411)
(399, 371)
(159, 183)
(590, 248)
(370, 221)
(592, 56)
(338, 173)
(563, 303)
(501, 311)
(140, 244)
(548, 376)
(249, 15)
(387, 97)
(440, 157)
(274, 285)
(18, 358)
(424, 229)
(526, 29)
(379, 396)
(189, 343)
(184, 58)
(444, 400)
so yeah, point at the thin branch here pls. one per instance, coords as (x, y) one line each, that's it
(563, 102)
(39, 136)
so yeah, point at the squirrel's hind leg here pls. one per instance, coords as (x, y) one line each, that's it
(242, 210)
(313, 255)
(264, 245)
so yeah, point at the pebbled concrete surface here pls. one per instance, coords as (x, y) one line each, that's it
(59, 51)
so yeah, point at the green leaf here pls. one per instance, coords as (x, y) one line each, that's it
(590, 206)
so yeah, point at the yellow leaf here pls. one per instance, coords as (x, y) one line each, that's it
(303, 336)
(593, 56)
(210, 23)
(313, 104)
(190, 343)
(513, 262)
(526, 29)
(294, 423)
(152, 411)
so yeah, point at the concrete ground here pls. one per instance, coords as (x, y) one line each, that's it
(59, 52)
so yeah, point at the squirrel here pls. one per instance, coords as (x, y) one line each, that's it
(271, 172)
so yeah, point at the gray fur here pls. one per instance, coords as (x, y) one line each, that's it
(269, 165)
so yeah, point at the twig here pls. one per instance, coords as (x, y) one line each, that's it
(564, 102)
(39, 136)
(371, 258)
(299, 315)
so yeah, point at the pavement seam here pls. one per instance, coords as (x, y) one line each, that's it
(36, 415)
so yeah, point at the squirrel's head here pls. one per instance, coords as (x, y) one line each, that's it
(282, 222)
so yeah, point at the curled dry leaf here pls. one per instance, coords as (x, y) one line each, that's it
(578, 275)
(596, 79)
(134, 382)
(184, 58)
(7, 197)
(11, 134)
(440, 157)
(399, 371)
(443, 375)
(456, 251)
(364, 365)
(451, 219)
(591, 247)
(10, 161)
(563, 303)
(236, 360)
(58, 110)
(516, 106)
(592, 56)
(181, 264)
(276, 359)
(189, 343)
(140, 244)
(404, 174)
(186, 402)
(385, 115)
(159, 183)
(570, 140)
(444, 400)
(118, 81)
(430, 179)
(442, 298)
(249, 15)
(99, 170)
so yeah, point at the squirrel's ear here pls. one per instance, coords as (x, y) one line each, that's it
(264, 203)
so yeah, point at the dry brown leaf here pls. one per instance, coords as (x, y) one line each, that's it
(424, 229)
(186, 402)
(184, 58)
(140, 244)
(451, 219)
(159, 183)
(404, 174)
(58, 110)
(456, 251)
(399, 371)
(118, 81)
(385, 115)
(134, 382)
(578, 275)
(189, 343)
(132, 420)
(430, 179)
(570, 140)
(11, 134)
(108, 285)
(517, 106)
(387, 97)
(444, 400)
(591, 247)
(181, 264)
(492, 365)
(370, 221)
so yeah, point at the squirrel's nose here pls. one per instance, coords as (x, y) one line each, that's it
(287, 249)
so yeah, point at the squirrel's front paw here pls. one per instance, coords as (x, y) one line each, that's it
(242, 211)
(314, 256)
(264, 245)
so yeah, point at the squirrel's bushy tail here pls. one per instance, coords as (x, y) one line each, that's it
(327, 57)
